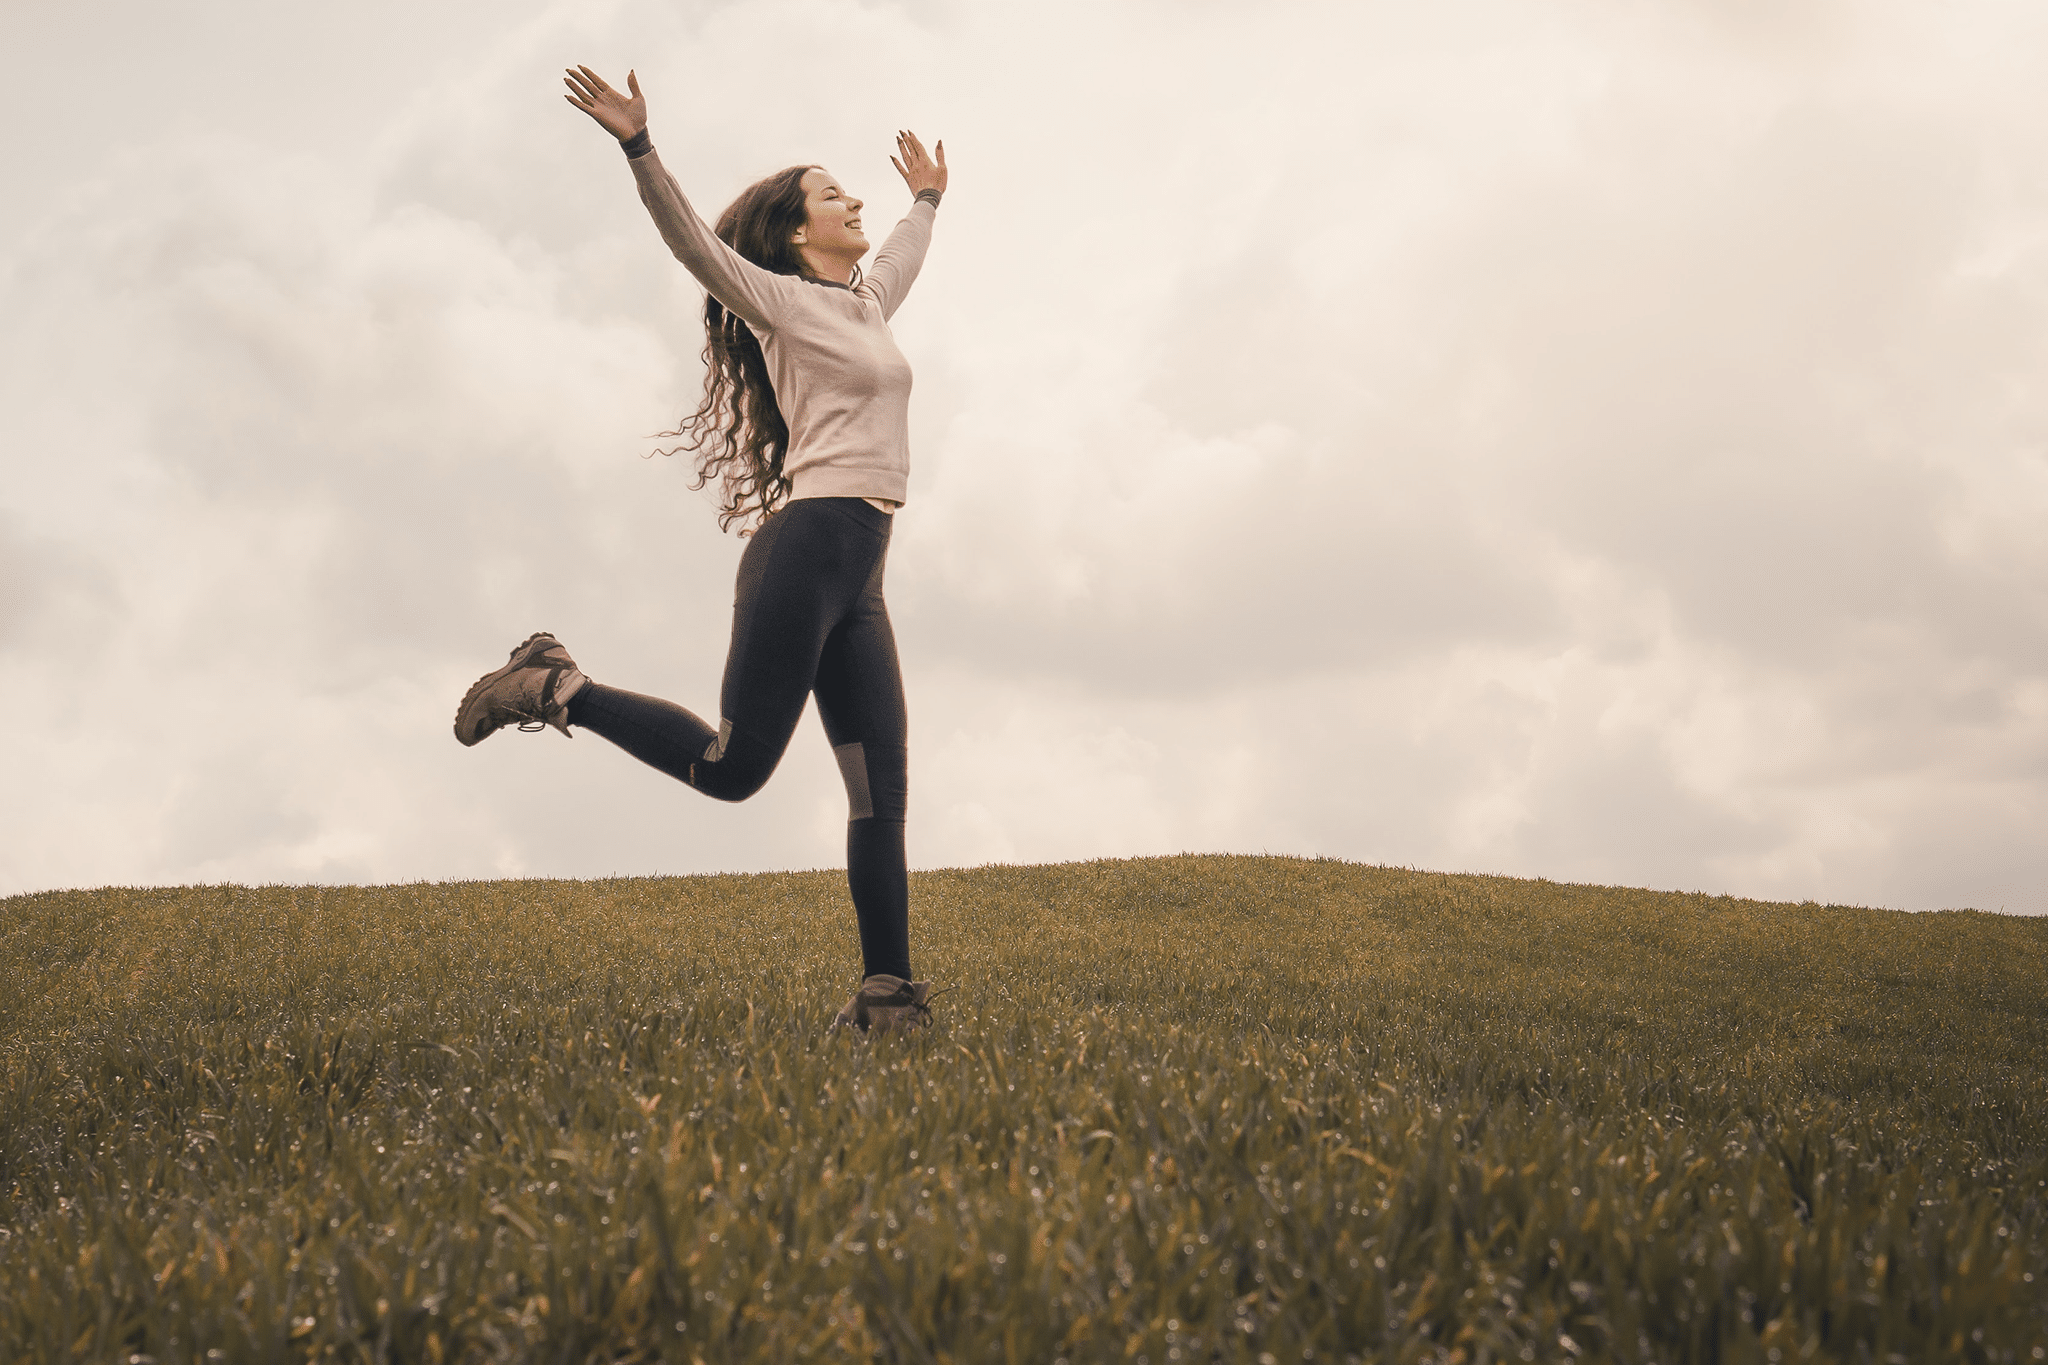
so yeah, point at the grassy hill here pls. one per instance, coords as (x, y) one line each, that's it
(1181, 1109)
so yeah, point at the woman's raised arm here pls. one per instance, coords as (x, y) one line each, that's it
(752, 293)
(895, 267)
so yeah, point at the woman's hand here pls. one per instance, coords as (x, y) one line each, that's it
(918, 170)
(615, 113)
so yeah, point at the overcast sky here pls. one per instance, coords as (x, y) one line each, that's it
(1601, 441)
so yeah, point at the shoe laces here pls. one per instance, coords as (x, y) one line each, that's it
(924, 1006)
(530, 723)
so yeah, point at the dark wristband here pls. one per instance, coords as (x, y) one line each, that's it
(929, 196)
(637, 145)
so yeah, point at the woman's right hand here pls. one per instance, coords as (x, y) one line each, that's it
(617, 114)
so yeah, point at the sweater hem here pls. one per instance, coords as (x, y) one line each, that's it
(848, 483)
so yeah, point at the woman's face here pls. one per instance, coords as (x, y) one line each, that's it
(832, 222)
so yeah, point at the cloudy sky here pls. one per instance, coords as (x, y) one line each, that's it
(1593, 440)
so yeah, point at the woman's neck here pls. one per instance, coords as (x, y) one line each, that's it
(832, 268)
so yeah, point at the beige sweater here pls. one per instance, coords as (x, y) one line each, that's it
(842, 385)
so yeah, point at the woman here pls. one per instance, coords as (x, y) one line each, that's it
(805, 424)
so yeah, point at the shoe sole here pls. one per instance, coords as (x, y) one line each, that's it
(522, 655)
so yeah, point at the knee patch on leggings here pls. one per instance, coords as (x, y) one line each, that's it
(735, 765)
(715, 750)
(875, 781)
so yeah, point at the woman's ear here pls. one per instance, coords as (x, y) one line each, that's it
(797, 238)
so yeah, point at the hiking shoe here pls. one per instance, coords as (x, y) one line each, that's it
(533, 688)
(887, 1004)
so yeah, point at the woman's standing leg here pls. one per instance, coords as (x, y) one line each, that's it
(860, 700)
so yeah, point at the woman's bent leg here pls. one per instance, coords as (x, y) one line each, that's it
(801, 573)
(659, 733)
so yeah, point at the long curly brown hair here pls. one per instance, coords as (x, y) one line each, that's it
(738, 432)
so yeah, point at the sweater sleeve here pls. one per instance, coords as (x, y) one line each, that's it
(889, 277)
(756, 295)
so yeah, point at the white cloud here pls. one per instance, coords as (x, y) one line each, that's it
(1562, 441)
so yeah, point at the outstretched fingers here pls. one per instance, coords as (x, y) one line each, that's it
(592, 88)
(915, 164)
(620, 115)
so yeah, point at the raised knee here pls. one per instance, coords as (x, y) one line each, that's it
(725, 786)
(734, 766)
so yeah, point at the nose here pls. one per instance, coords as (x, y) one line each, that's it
(856, 204)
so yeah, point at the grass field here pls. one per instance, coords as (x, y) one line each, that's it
(1178, 1110)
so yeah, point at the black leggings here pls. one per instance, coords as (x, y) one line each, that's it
(808, 618)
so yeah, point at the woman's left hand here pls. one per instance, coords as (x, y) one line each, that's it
(919, 171)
